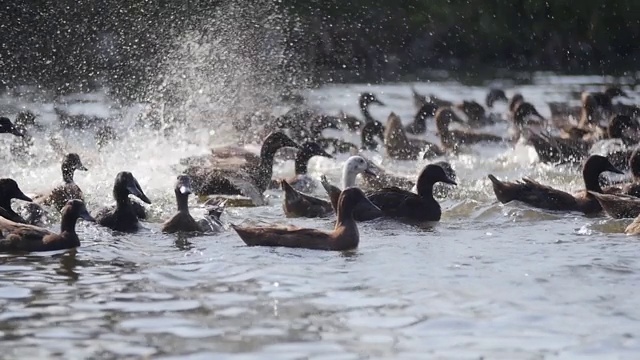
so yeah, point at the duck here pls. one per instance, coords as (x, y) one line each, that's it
(352, 167)
(250, 180)
(419, 100)
(545, 197)
(124, 217)
(345, 235)
(7, 127)
(19, 237)
(297, 204)
(365, 100)
(557, 150)
(476, 114)
(60, 195)
(9, 190)
(182, 221)
(301, 181)
(633, 163)
(604, 99)
(618, 206)
(410, 207)
(399, 147)
(452, 139)
(419, 124)
(493, 96)
(515, 102)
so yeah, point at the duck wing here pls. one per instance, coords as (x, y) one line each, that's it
(544, 197)
(399, 203)
(285, 237)
(22, 237)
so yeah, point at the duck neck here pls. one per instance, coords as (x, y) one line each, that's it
(183, 202)
(591, 181)
(5, 203)
(122, 200)
(302, 162)
(364, 108)
(367, 137)
(68, 223)
(425, 191)
(67, 174)
(348, 179)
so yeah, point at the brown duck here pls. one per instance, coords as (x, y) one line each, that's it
(419, 124)
(28, 238)
(364, 101)
(452, 139)
(541, 196)
(60, 195)
(9, 190)
(618, 206)
(182, 221)
(345, 235)
(399, 147)
(411, 207)
(250, 180)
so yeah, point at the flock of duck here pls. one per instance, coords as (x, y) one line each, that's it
(298, 135)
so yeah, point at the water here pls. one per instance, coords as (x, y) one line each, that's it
(490, 281)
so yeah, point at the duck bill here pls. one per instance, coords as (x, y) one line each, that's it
(84, 214)
(23, 197)
(376, 101)
(448, 180)
(15, 131)
(82, 168)
(324, 154)
(614, 169)
(136, 191)
(371, 172)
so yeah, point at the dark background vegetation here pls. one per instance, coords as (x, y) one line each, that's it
(74, 44)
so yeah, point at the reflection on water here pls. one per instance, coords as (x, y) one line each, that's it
(490, 281)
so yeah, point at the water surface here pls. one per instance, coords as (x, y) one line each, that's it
(490, 281)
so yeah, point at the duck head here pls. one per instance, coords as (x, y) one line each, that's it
(352, 167)
(448, 169)
(367, 99)
(426, 111)
(494, 96)
(623, 127)
(274, 142)
(70, 164)
(306, 152)
(77, 210)
(126, 185)
(523, 112)
(593, 167)
(614, 91)
(430, 175)
(516, 99)
(444, 117)
(9, 190)
(183, 185)
(7, 127)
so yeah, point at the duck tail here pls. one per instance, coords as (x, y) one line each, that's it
(288, 190)
(500, 189)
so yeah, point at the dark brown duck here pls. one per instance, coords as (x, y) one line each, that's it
(541, 196)
(411, 207)
(182, 221)
(28, 238)
(250, 180)
(399, 147)
(345, 235)
(124, 217)
(452, 139)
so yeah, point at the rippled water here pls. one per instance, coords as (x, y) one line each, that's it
(490, 281)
